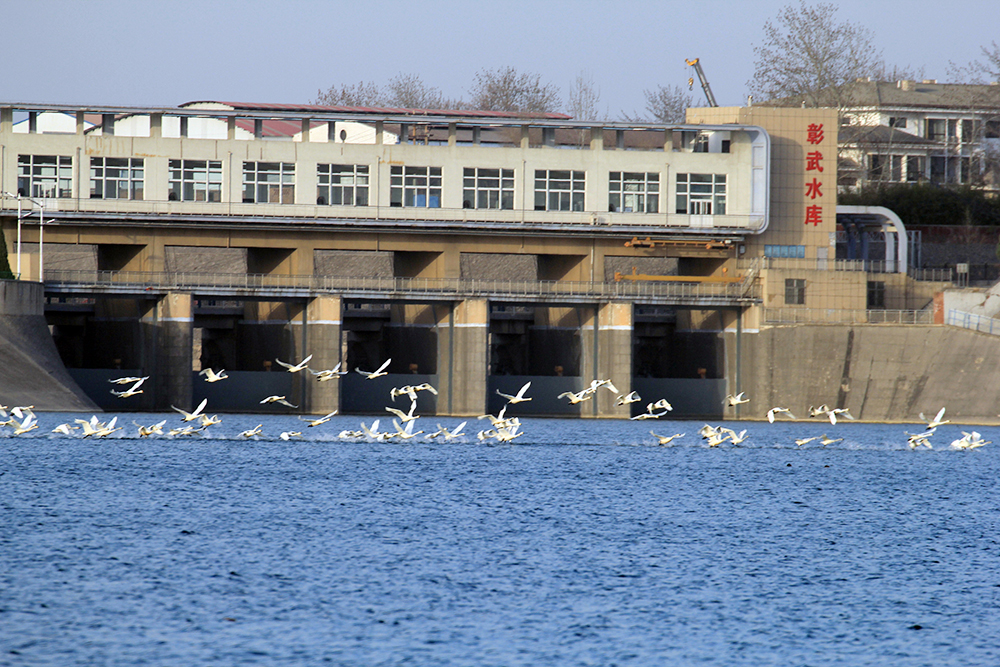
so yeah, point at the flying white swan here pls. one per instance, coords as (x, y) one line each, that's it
(191, 416)
(920, 439)
(826, 440)
(65, 429)
(666, 439)
(821, 410)
(803, 441)
(405, 432)
(576, 397)
(938, 419)
(734, 437)
(212, 376)
(450, 435)
(295, 368)
(277, 399)
(649, 415)
(327, 375)
(154, 429)
(739, 398)
(371, 375)
(185, 430)
(404, 416)
(971, 440)
(249, 433)
(131, 391)
(30, 423)
(519, 397)
(319, 420)
(411, 390)
(716, 439)
(775, 411)
(838, 411)
(631, 397)
(288, 435)
(207, 421)
(127, 380)
(107, 430)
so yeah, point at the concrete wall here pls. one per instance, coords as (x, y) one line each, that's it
(879, 372)
(32, 373)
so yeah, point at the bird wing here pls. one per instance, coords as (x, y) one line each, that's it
(282, 363)
(302, 364)
(201, 406)
(395, 411)
(384, 365)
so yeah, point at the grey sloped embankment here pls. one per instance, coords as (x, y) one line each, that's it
(31, 372)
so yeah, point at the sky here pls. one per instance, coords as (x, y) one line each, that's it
(167, 52)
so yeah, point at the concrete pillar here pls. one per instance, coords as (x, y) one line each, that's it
(155, 127)
(174, 318)
(463, 359)
(323, 326)
(608, 356)
(6, 120)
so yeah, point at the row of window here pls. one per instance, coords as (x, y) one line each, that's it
(47, 176)
(795, 293)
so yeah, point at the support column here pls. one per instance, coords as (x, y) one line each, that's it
(607, 355)
(463, 359)
(174, 320)
(324, 322)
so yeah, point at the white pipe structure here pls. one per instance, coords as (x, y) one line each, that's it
(41, 226)
(9, 195)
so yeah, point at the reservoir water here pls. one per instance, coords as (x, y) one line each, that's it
(580, 543)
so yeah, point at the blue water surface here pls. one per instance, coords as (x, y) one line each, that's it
(581, 543)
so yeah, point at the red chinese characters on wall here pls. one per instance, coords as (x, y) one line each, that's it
(814, 187)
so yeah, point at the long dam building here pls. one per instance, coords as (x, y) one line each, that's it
(475, 250)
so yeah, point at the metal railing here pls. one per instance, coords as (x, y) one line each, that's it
(851, 265)
(966, 320)
(59, 281)
(845, 316)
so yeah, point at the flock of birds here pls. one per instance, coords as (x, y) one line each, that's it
(22, 419)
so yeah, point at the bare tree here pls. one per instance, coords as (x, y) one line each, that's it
(583, 98)
(808, 54)
(408, 91)
(361, 94)
(984, 104)
(666, 104)
(506, 89)
(984, 71)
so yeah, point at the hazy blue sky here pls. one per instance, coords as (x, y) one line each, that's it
(173, 51)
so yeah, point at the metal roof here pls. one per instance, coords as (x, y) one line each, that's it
(381, 111)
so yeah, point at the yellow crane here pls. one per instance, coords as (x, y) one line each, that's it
(704, 82)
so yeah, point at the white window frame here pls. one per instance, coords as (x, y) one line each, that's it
(45, 176)
(488, 188)
(701, 194)
(123, 180)
(195, 180)
(560, 190)
(342, 184)
(415, 187)
(634, 192)
(268, 182)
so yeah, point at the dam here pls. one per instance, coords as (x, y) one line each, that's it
(475, 251)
